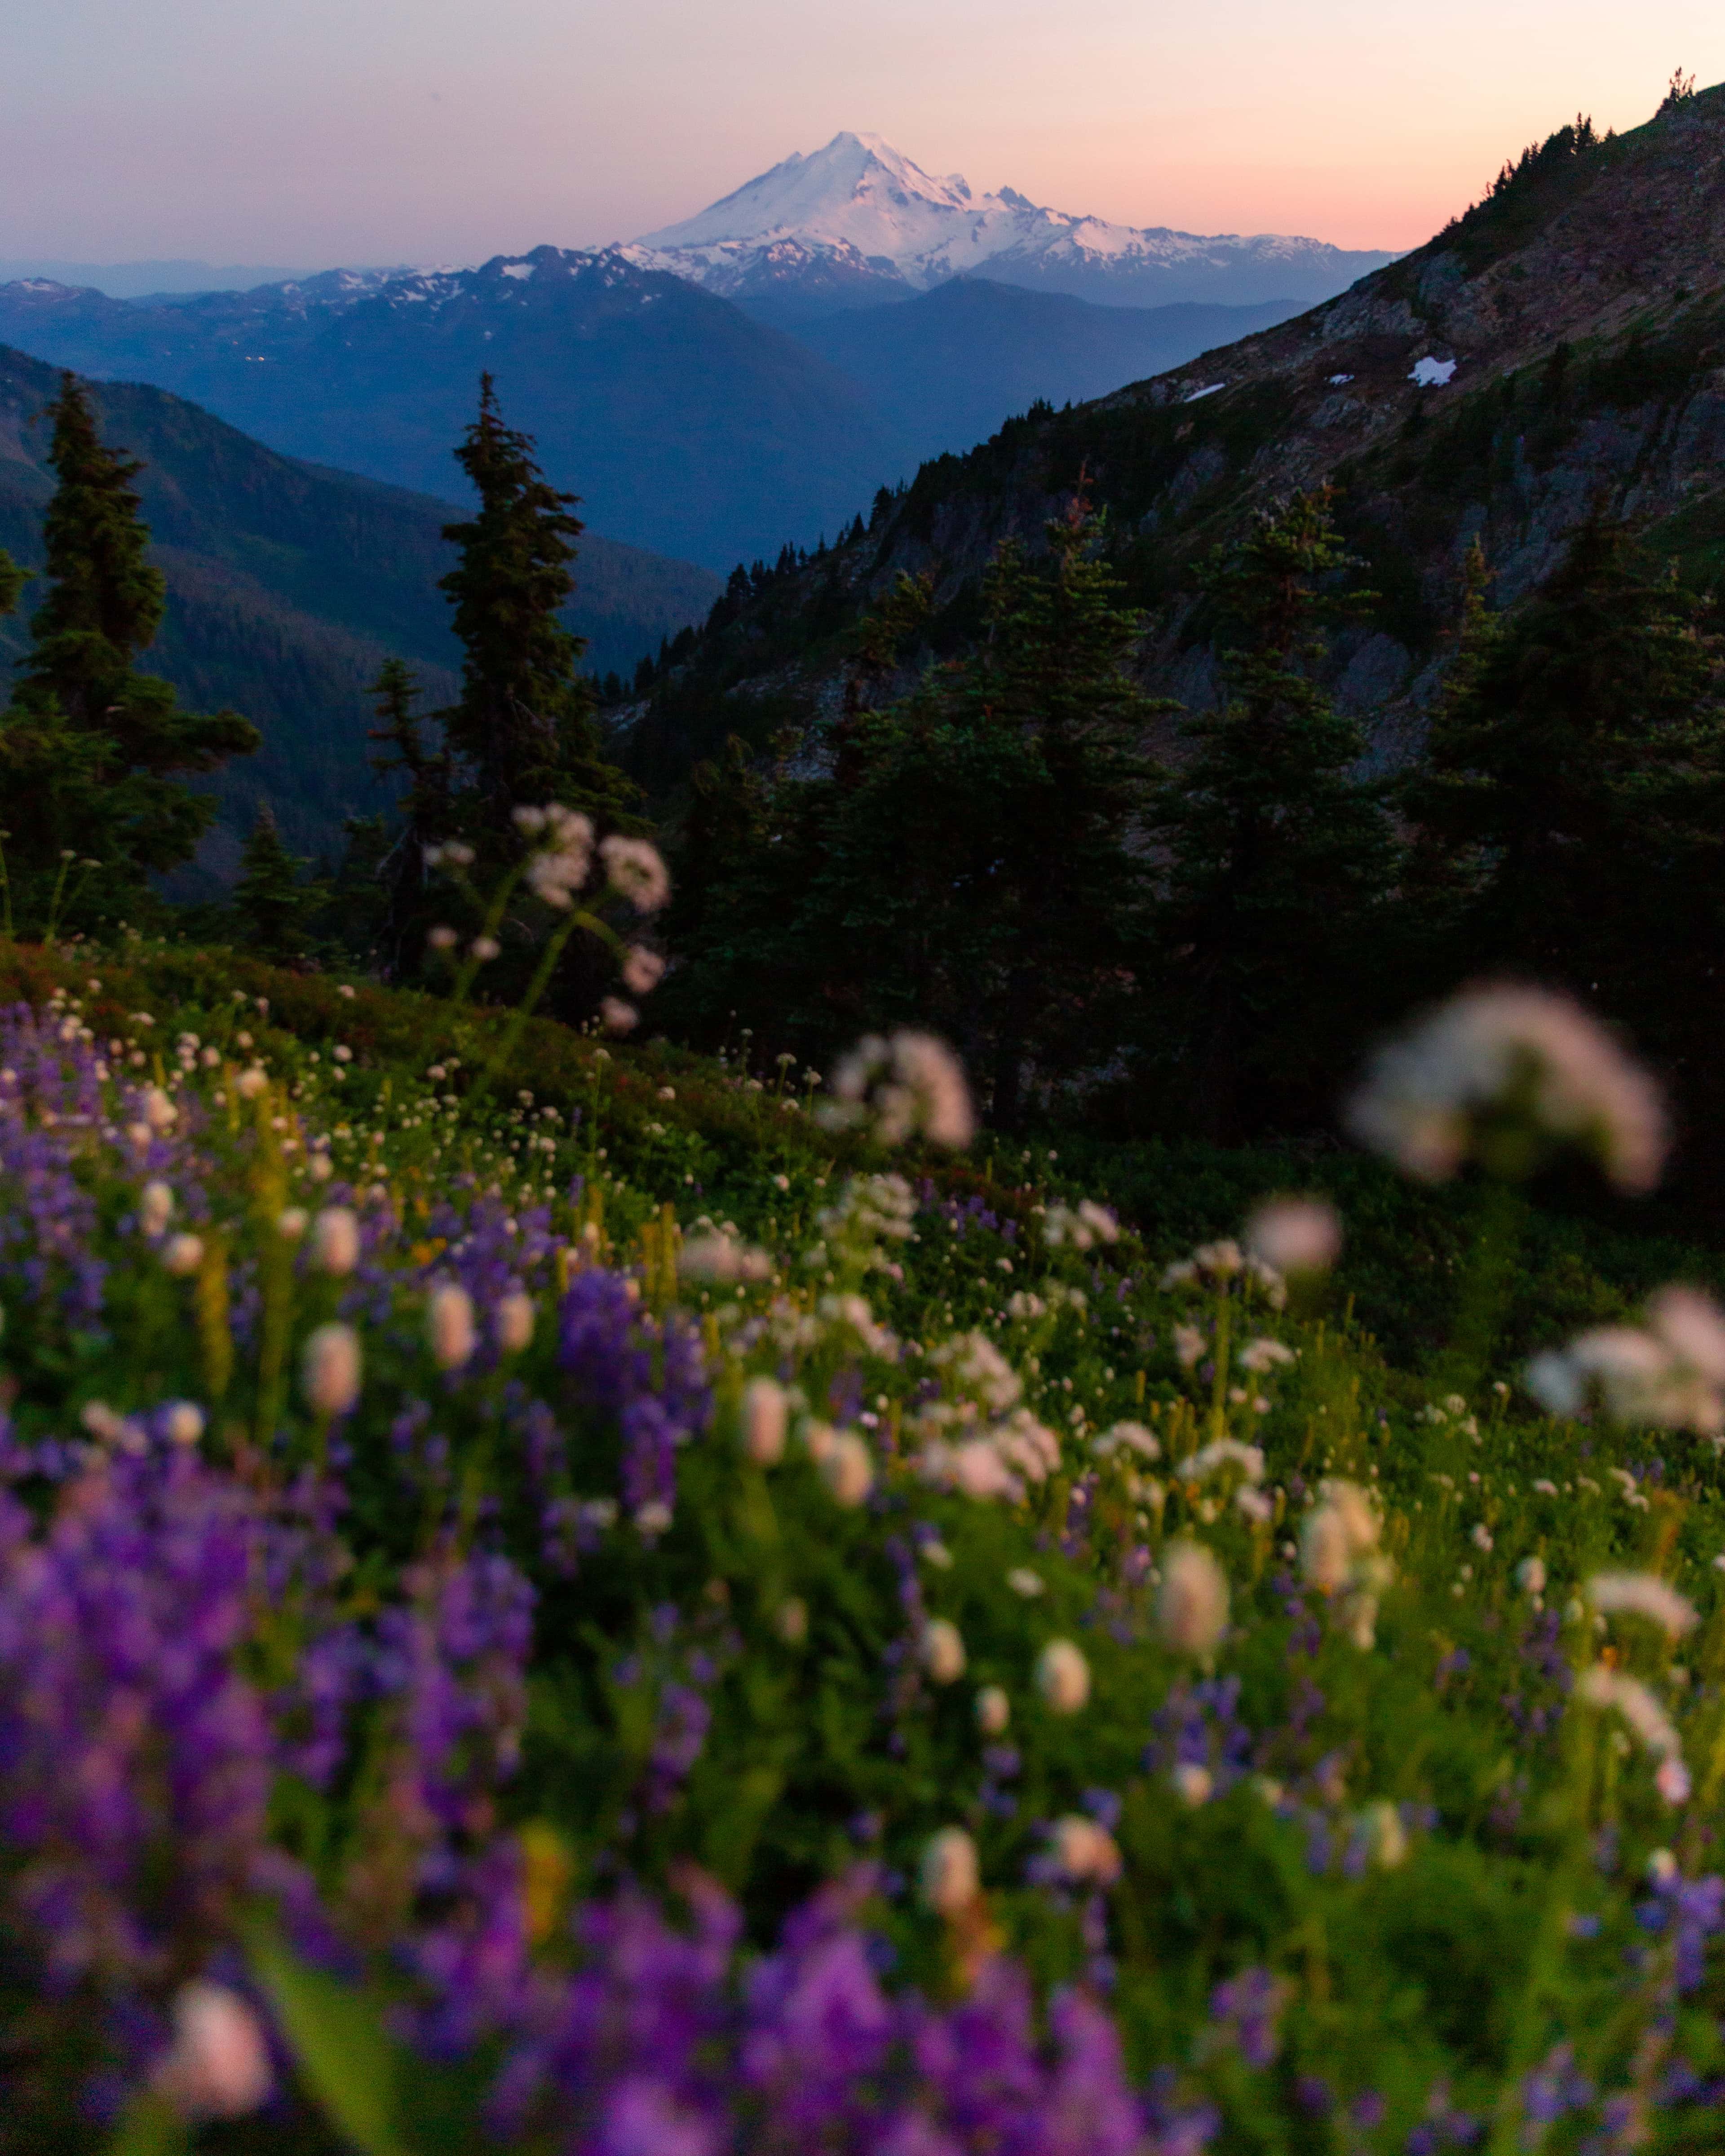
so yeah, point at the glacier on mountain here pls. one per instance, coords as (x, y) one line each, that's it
(859, 220)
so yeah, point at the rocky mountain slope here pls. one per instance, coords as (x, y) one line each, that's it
(288, 586)
(1563, 342)
(859, 220)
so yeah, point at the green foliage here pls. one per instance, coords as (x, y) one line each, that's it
(524, 729)
(91, 750)
(272, 905)
(963, 862)
(1275, 862)
(1572, 797)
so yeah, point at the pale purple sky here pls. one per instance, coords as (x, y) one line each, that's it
(325, 131)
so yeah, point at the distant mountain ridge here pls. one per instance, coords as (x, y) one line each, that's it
(288, 585)
(857, 220)
(1562, 344)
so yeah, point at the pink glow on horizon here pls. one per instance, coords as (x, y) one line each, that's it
(379, 130)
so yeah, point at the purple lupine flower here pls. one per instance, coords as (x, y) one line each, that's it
(1247, 2010)
(135, 1761)
(651, 1378)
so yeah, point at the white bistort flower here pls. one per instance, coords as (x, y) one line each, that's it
(908, 1084)
(1295, 1234)
(217, 2066)
(449, 1326)
(993, 1710)
(1086, 1851)
(330, 1369)
(1192, 1602)
(1497, 1065)
(1642, 1595)
(512, 1322)
(636, 869)
(1670, 1375)
(765, 1411)
(1608, 1689)
(950, 1879)
(941, 1651)
(334, 1241)
(1063, 1676)
(848, 1468)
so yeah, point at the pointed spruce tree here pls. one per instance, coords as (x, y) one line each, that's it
(1275, 860)
(271, 904)
(525, 730)
(92, 751)
(1575, 779)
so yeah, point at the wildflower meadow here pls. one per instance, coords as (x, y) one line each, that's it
(559, 1597)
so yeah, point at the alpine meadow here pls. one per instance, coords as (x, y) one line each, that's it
(922, 1354)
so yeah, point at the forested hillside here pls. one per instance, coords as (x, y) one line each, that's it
(288, 584)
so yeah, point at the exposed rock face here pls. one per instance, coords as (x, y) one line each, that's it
(1562, 344)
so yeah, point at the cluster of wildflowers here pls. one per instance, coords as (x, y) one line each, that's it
(462, 1547)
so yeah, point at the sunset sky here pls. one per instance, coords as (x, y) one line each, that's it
(320, 131)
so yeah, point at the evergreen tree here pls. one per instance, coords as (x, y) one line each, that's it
(1275, 860)
(91, 750)
(272, 905)
(426, 810)
(1574, 782)
(962, 862)
(525, 730)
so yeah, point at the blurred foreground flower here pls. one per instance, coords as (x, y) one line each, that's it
(1670, 1375)
(1500, 1074)
(1295, 1234)
(904, 1086)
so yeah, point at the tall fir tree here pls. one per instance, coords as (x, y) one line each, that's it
(1574, 786)
(964, 861)
(92, 750)
(272, 904)
(525, 730)
(425, 813)
(1275, 860)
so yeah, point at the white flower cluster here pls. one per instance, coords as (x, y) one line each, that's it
(635, 870)
(722, 1259)
(871, 1210)
(979, 1438)
(1510, 1049)
(1642, 1595)
(1670, 1374)
(1295, 1234)
(1611, 1690)
(1215, 1265)
(1340, 1557)
(557, 868)
(1080, 1225)
(900, 1087)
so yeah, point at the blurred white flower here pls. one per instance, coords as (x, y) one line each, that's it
(993, 1710)
(217, 2066)
(251, 1081)
(449, 1326)
(334, 1241)
(643, 969)
(156, 1209)
(617, 1016)
(159, 1112)
(1295, 1234)
(291, 1223)
(1082, 1225)
(849, 1468)
(791, 1622)
(1530, 1575)
(1265, 1354)
(512, 1322)
(908, 1084)
(1188, 1345)
(1022, 1581)
(1670, 1375)
(330, 1369)
(1192, 1784)
(1385, 1837)
(1611, 1690)
(722, 1259)
(1509, 1051)
(764, 1410)
(1192, 1602)
(183, 1254)
(1086, 1851)
(636, 869)
(941, 1651)
(184, 1423)
(1642, 1595)
(950, 1879)
(1063, 1676)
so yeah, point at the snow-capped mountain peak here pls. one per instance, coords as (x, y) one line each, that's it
(858, 220)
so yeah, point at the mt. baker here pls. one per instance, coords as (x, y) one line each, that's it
(858, 222)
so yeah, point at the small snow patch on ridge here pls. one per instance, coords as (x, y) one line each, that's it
(1432, 373)
(519, 269)
(1209, 389)
(1337, 380)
